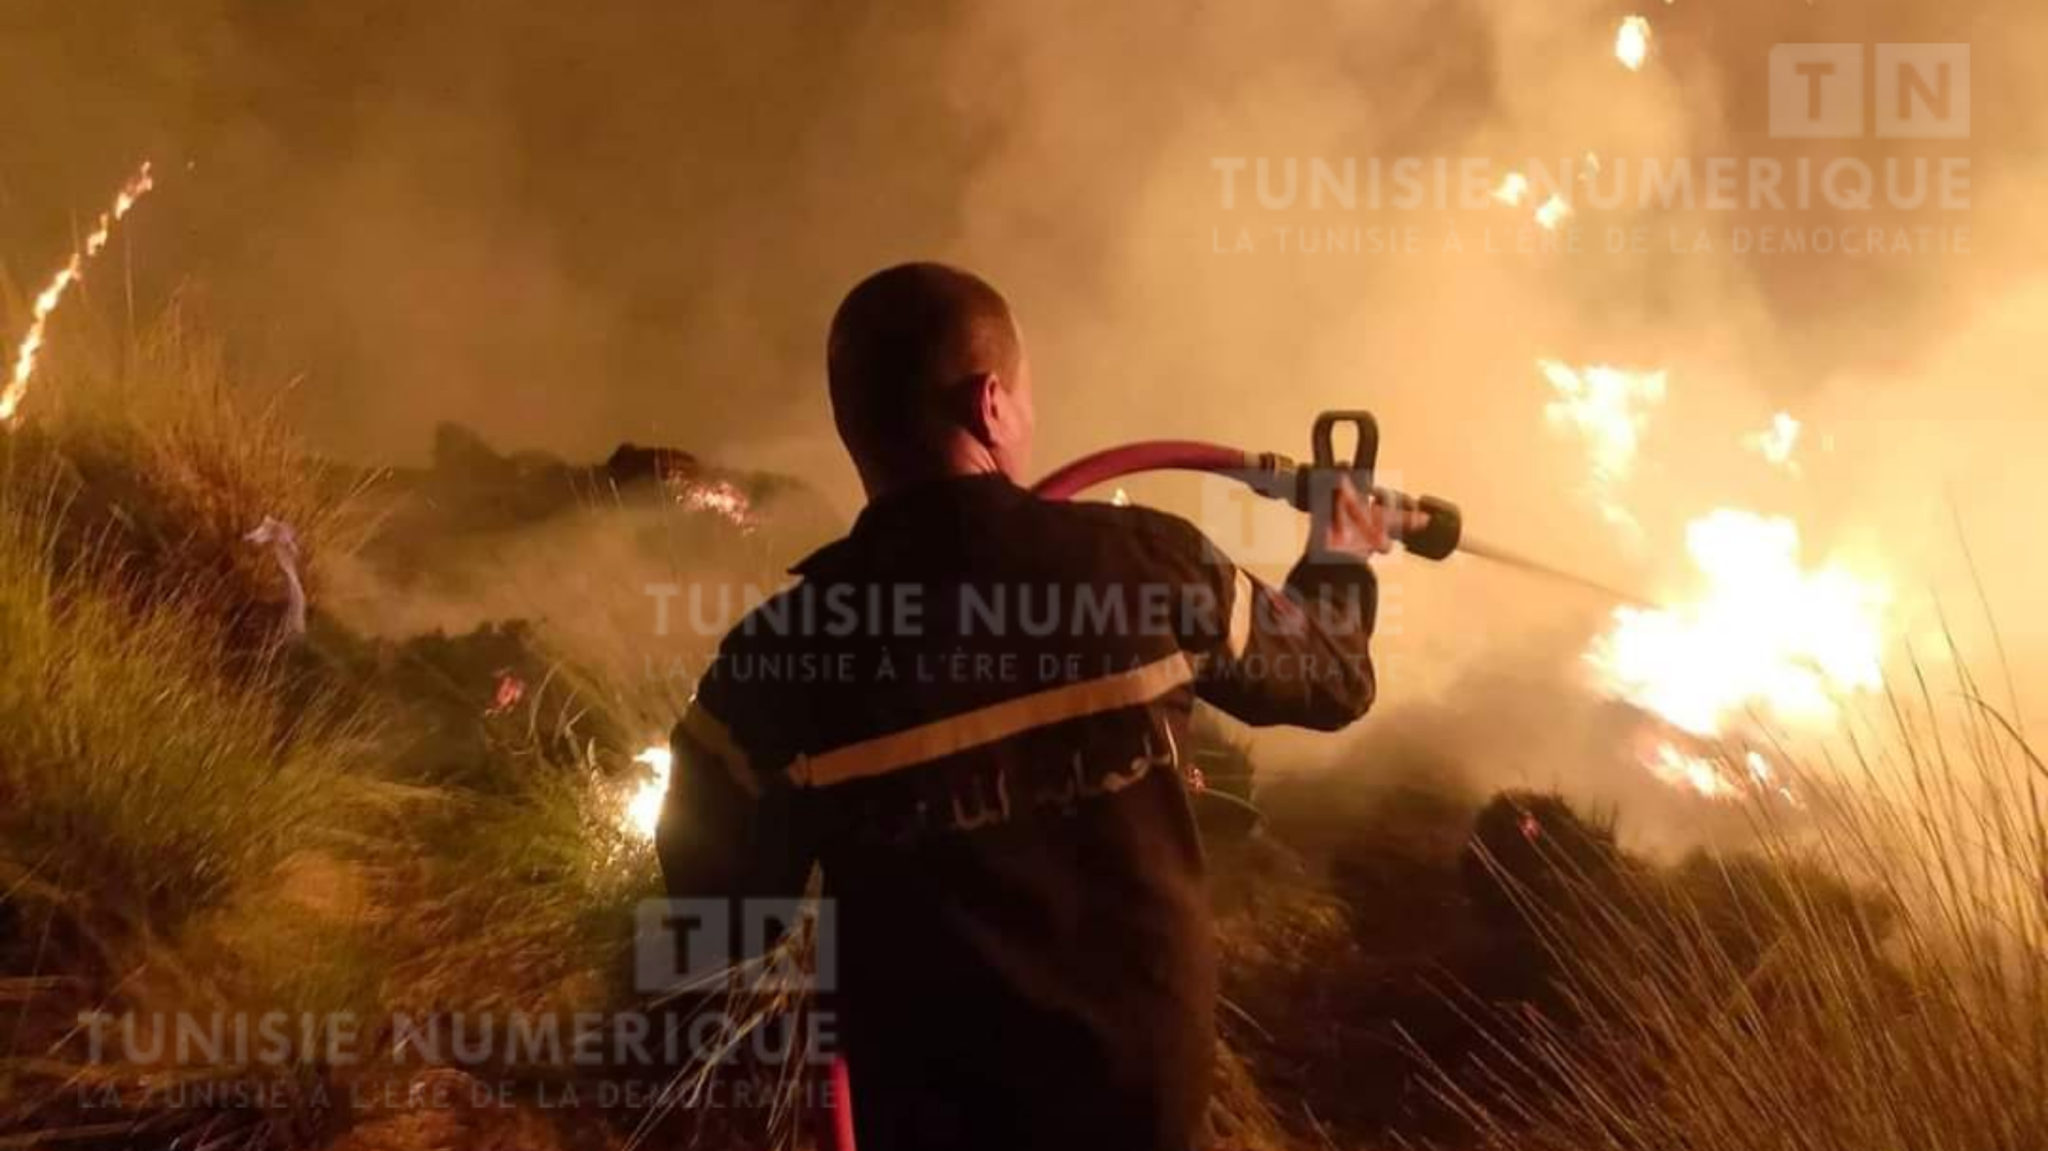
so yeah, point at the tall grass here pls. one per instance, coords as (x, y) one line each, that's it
(167, 468)
(1873, 975)
(524, 900)
(183, 817)
(132, 764)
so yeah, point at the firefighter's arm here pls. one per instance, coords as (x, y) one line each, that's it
(1301, 655)
(730, 827)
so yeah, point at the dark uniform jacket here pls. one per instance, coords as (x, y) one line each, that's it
(972, 714)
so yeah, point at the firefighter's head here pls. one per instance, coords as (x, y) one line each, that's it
(929, 378)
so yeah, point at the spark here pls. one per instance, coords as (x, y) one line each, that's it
(1609, 408)
(25, 359)
(643, 810)
(1554, 212)
(1514, 188)
(1632, 43)
(1764, 635)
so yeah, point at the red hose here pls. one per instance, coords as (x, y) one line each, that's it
(1432, 528)
(1152, 456)
(842, 1108)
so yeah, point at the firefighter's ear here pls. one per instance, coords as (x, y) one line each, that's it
(983, 398)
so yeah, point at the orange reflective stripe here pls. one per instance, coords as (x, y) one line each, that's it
(991, 724)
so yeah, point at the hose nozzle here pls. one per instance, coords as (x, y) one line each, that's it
(1427, 526)
(1441, 526)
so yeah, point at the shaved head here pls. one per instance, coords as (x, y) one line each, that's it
(910, 351)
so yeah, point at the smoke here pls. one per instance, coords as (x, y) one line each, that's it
(571, 227)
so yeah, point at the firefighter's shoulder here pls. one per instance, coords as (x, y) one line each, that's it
(1144, 533)
(782, 619)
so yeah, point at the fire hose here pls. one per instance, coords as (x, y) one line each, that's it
(1426, 526)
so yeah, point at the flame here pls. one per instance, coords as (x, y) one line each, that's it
(1722, 776)
(1764, 635)
(16, 390)
(1609, 408)
(1554, 212)
(1778, 443)
(718, 497)
(643, 810)
(1681, 769)
(1632, 43)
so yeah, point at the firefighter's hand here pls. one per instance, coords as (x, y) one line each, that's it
(1361, 525)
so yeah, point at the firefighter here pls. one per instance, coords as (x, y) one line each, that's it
(969, 714)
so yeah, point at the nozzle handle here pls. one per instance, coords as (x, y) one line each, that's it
(1365, 458)
(1316, 484)
(1443, 525)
